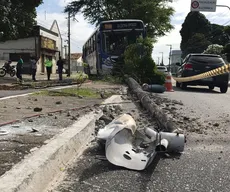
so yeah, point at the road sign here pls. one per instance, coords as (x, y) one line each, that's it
(203, 5)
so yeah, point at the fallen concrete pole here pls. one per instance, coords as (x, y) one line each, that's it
(164, 122)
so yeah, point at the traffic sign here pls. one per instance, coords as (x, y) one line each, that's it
(203, 5)
(195, 4)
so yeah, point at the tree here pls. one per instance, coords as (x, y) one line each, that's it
(137, 62)
(214, 49)
(195, 22)
(218, 35)
(17, 18)
(197, 44)
(154, 13)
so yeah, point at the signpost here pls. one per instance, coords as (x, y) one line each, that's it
(203, 5)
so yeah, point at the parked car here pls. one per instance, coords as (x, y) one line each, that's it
(195, 64)
(162, 69)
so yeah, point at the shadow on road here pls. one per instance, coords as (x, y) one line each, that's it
(96, 168)
(195, 90)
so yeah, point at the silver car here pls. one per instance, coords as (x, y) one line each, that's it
(162, 69)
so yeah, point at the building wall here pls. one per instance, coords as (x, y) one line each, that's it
(55, 38)
(59, 39)
(175, 58)
(56, 56)
(76, 65)
(26, 45)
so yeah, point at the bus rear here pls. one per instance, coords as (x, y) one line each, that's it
(114, 36)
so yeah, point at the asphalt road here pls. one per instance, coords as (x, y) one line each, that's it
(203, 167)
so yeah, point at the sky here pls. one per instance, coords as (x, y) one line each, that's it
(81, 29)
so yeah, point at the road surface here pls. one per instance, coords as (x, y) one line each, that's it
(203, 167)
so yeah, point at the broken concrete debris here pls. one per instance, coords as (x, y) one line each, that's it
(123, 149)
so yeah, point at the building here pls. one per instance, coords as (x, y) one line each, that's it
(175, 58)
(44, 43)
(76, 62)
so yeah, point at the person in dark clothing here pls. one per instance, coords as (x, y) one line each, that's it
(19, 69)
(33, 62)
(60, 64)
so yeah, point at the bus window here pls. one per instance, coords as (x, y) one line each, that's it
(116, 42)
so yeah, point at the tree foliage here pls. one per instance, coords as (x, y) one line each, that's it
(214, 49)
(197, 44)
(138, 63)
(17, 18)
(218, 35)
(154, 13)
(195, 23)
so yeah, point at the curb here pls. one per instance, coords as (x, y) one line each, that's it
(163, 120)
(40, 168)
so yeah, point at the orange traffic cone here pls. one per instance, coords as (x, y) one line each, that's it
(168, 83)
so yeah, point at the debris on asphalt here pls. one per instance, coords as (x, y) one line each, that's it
(58, 103)
(34, 130)
(216, 124)
(68, 114)
(124, 149)
(37, 109)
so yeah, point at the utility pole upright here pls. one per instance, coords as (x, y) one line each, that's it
(170, 54)
(69, 52)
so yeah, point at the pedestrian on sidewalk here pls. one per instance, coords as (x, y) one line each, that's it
(33, 62)
(19, 69)
(48, 64)
(60, 64)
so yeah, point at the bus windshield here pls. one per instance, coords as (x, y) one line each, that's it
(115, 42)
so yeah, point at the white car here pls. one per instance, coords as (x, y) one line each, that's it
(162, 69)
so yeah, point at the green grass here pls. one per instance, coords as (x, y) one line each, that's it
(71, 92)
(107, 78)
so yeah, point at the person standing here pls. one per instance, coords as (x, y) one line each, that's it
(19, 69)
(48, 64)
(34, 61)
(60, 64)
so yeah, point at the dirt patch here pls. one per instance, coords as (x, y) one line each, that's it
(21, 107)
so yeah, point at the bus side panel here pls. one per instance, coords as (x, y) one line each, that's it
(91, 60)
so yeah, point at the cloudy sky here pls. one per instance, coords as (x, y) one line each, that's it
(81, 30)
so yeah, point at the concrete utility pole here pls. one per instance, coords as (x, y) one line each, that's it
(170, 53)
(69, 52)
(162, 59)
